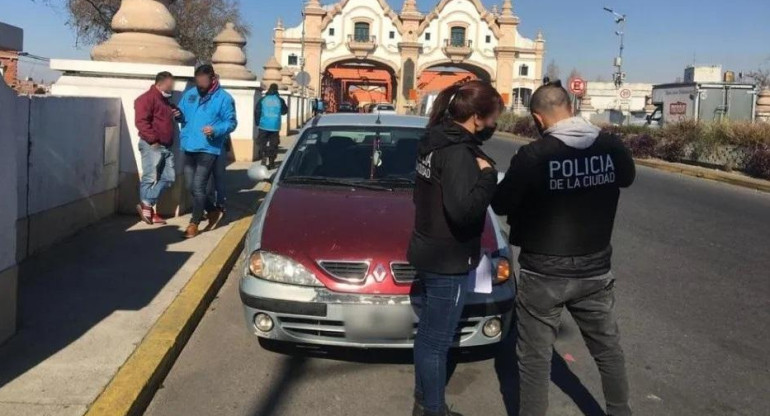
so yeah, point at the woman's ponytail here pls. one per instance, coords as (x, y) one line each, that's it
(441, 105)
(461, 101)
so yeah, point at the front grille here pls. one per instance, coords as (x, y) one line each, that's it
(347, 271)
(317, 329)
(403, 272)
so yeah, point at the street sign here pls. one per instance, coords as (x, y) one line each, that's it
(302, 78)
(625, 93)
(577, 86)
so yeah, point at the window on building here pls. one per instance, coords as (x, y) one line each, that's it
(524, 71)
(361, 32)
(427, 35)
(489, 39)
(293, 60)
(392, 34)
(331, 31)
(458, 36)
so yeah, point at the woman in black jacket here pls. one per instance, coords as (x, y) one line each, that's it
(455, 185)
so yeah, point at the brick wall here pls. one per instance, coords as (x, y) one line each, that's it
(10, 62)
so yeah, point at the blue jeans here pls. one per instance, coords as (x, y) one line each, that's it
(197, 171)
(157, 171)
(442, 298)
(217, 187)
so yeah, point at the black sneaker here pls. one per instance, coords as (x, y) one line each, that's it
(418, 410)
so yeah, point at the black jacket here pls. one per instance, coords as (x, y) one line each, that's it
(451, 198)
(561, 203)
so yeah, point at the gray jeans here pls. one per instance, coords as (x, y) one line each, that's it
(539, 304)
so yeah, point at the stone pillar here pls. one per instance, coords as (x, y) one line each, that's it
(286, 78)
(144, 32)
(763, 105)
(229, 62)
(410, 48)
(314, 15)
(228, 59)
(272, 74)
(278, 40)
(539, 56)
(505, 52)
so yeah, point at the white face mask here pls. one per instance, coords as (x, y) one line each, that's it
(166, 94)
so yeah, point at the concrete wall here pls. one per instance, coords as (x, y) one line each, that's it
(72, 168)
(11, 128)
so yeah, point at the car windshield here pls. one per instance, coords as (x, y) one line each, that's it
(368, 157)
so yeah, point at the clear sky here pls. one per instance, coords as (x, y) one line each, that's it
(662, 36)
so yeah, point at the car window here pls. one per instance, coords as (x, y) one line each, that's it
(349, 152)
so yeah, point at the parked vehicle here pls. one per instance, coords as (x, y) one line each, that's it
(346, 108)
(327, 248)
(426, 104)
(703, 101)
(384, 109)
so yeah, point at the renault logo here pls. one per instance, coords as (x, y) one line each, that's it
(379, 273)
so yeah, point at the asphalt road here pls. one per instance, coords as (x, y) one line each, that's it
(693, 266)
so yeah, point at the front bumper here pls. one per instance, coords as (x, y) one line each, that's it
(315, 315)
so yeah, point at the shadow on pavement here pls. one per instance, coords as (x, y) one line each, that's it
(107, 268)
(70, 288)
(506, 367)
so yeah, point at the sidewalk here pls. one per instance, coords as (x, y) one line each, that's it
(85, 304)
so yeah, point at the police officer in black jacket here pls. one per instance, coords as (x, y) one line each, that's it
(454, 187)
(560, 195)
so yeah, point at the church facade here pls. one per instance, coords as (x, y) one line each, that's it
(365, 46)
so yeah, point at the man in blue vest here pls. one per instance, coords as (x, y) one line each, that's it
(267, 115)
(208, 118)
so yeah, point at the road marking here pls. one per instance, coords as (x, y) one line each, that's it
(135, 383)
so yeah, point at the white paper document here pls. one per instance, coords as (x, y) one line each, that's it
(480, 280)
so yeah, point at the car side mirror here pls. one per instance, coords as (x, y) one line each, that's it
(258, 172)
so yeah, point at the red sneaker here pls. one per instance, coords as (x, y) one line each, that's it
(145, 213)
(157, 219)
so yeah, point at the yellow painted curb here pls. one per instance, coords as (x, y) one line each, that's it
(135, 383)
(696, 171)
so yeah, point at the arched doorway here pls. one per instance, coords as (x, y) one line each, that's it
(358, 82)
(434, 78)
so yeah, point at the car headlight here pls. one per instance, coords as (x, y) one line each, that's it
(502, 270)
(281, 269)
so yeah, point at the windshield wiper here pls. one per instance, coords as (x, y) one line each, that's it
(322, 180)
(397, 180)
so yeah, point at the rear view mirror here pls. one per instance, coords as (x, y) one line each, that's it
(258, 172)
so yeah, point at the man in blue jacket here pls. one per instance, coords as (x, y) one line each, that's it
(267, 114)
(208, 118)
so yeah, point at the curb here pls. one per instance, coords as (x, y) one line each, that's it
(131, 390)
(695, 171)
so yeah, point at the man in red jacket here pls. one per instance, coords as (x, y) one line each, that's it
(155, 116)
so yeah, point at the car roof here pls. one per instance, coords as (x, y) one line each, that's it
(356, 119)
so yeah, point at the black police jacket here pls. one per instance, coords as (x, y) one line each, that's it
(561, 203)
(451, 198)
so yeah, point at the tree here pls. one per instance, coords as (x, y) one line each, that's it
(198, 21)
(761, 77)
(552, 70)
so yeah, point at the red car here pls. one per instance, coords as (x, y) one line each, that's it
(327, 248)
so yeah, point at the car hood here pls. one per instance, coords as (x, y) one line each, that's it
(315, 224)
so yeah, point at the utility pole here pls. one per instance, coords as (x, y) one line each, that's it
(620, 20)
